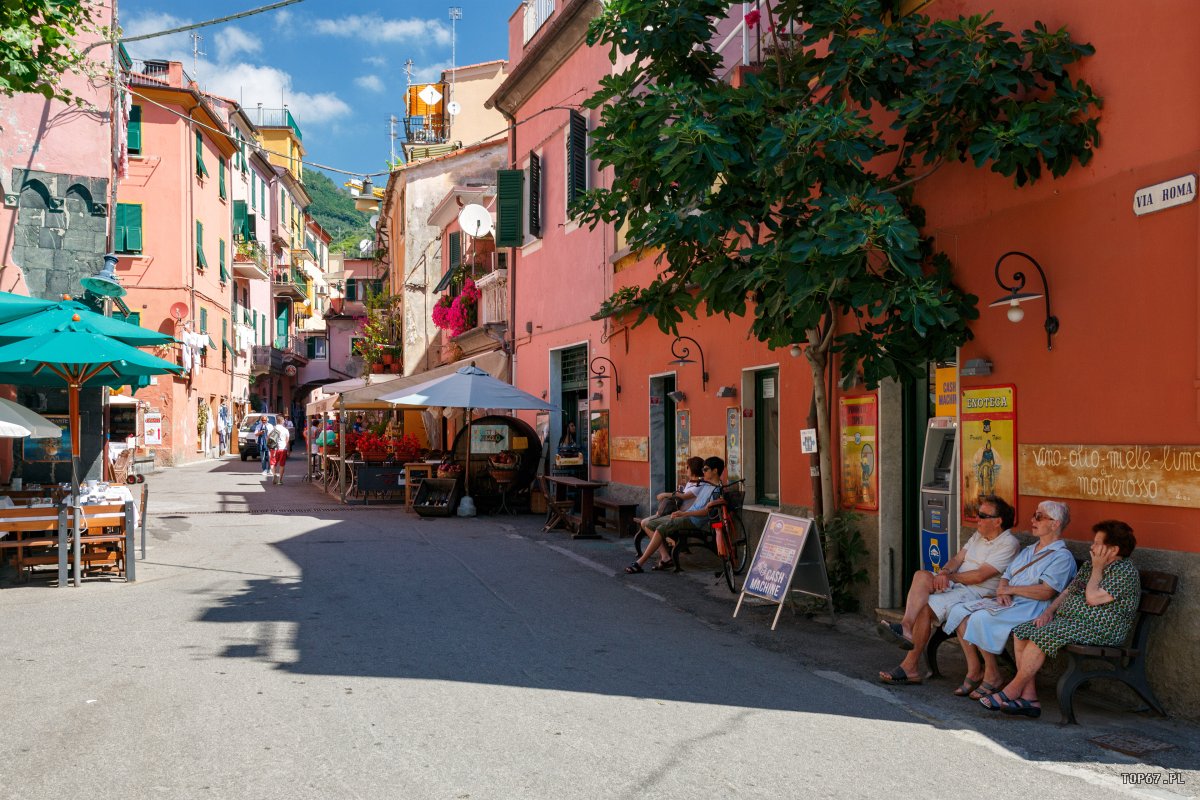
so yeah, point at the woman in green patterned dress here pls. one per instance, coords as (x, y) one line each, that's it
(1098, 608)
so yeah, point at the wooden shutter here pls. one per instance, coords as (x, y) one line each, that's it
(201, 261)
(510, 184)
(239, 219)
(133, 140)
(133, 228)
(224, 338)
(311, 347)
(119, 233)
(221, 174)
(221, 254)
(535, 195)
(455, 249)
(576, 157)
(203, 319)
(201, 170)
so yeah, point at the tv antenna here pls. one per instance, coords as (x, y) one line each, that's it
(455, 16)
(196, 52)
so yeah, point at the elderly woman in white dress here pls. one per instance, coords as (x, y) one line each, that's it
(1031, 582)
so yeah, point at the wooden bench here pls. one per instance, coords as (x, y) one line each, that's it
(614, 514)
(1125, 664)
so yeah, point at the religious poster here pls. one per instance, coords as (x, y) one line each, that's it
(733, 443)
(683, 444)
(598, 438)
(859, 417)
(989, 446)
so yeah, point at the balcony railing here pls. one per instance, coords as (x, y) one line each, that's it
(493, 297)
(536, 14)
(277, 118)
(289, 281)
(250, 260)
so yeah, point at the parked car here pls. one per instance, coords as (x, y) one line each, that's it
(247, 442)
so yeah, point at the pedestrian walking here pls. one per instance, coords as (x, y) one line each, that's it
(262, 429)
(278, 440)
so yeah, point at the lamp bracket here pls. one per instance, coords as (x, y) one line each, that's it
(1018, 277)
(682, 351)
(600, 372)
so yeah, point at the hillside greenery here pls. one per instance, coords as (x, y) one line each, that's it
(333, 208)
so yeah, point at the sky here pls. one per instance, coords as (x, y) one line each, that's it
(338, 64)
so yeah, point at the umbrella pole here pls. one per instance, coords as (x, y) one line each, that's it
(77, 512)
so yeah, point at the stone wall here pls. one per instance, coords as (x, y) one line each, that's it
(60, 231)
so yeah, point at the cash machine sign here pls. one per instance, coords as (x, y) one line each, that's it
(430, 96)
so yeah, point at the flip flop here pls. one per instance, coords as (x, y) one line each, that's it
(892, 632)
(660, 566)
(968, 686)
(992, 704)
(985, 689)
(634, 569)
(898, 677)
(1022, 708)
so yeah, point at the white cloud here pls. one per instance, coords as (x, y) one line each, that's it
(376, 61)
(231, 41)
(254, 84)
(374, 28)
(431, 73)
(172, 46)
(371, 83)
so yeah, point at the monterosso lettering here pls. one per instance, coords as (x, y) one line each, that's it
(1105, 485)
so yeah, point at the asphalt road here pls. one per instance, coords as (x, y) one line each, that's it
(277, 647)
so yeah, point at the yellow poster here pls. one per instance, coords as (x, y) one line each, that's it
(989, 446)
(859, 417)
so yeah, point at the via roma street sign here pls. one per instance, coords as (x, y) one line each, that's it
(1167, 194)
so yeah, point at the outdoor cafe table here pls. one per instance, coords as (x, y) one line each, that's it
(587, 497)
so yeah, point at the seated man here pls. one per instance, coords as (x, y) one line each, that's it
(693, 516)
(673, 501)
(942, 598)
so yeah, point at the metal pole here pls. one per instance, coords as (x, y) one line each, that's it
(130, 561)
(62, 547)
(145, 502)
(342, 448)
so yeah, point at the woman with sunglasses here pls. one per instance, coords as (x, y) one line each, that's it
(1031, 582)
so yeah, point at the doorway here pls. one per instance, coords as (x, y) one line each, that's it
(662, 435)
(766, 437)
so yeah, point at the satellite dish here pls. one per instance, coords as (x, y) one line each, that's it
(179, 311)
(475, 221)
(373, 221)
(365, 245)
(453, 107)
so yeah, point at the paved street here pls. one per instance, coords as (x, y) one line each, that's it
(275, 646)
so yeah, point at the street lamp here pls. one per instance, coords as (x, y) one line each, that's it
(682, 352)
(601, 373)
(1016, 297)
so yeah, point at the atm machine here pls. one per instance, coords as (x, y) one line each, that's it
(939, 494)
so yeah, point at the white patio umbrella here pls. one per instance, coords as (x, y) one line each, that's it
(17, 421)
(468, 388)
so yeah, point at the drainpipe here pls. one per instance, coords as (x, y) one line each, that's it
(512, 258)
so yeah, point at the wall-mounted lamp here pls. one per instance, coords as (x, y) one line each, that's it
(597, 397)
(682, 352)
(677, 396)
(1015, 296)
(795, 351)
(600, 373)
(976, 367)
(727, 391)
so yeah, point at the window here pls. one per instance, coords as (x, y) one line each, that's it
(254, 191)
(351, 289)
(221, 178)
(577, 166)
(133, 139)
(224, 339)
(129, 228)
(201, 170)
(254, 324)
(262, 200)
(535, 196)
(221, 255)
(134, 318)
(455, 250)
(317, 347)
(203, 319)
(239, 220)
(201, 261)
(510, 190)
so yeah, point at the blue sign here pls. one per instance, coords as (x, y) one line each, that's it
(935, 550)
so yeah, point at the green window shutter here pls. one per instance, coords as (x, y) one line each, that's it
(221, 174)
(133, 139)
(254, 324)
(224, 337)
(201, 261)
(311, 347)
(351, 289)
(254, 190)
(281, 327)
(535, 195)
(509, 191)
(576, 157)
(119, 232)
(242, 153)
(221, 253)
(201, 170)
(203, 319)
(262, 200)
(377, 287)
(239, 219)
(133, 227)
(134, 318)
(455, 250)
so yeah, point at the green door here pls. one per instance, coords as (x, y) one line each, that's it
(766, 437)
(281, 327)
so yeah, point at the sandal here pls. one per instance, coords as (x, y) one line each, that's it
(992, 704)
(968, 686)
(892, 632)
(634, 569)
(1022, 707)
(660, 566)
(985, 689)
(898, 677)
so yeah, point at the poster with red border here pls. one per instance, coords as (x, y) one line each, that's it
(859, 418)
(988, 450)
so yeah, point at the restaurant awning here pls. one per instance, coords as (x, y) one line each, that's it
(365, 395)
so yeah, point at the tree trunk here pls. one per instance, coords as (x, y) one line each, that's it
(817, 354)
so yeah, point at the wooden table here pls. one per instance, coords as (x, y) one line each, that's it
(587, 501)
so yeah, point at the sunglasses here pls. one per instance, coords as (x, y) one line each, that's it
(1041, 516)
(983, 515)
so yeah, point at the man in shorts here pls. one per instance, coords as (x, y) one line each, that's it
(692, 516)
(277, 442)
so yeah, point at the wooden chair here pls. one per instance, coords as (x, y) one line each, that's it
(557, 511)
(106, 538)
(35, 536)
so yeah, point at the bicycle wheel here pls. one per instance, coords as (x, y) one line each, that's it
(739, 545)
(727, 560)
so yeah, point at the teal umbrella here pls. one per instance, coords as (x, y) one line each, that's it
(68, 315)
(13, 306)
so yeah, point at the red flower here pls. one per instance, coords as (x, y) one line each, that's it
(752, 18)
